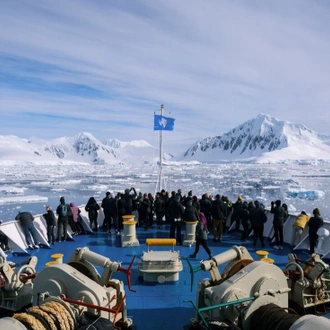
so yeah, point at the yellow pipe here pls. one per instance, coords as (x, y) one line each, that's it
(160, 241)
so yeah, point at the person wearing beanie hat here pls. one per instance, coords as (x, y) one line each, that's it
(26, 221)
(258, 218)
(278, 221)
(186, 199)
(62, 221)
(219, 214)
(236, 213)
(314, 224)
(175, 212)
(298, 227)
(245, 219)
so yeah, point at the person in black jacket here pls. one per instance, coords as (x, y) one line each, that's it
(62, 212)
(190, 213)
(176, 210)
(206, 208)
(258, 217)
(51, 223)
(279, 216)
(314, 224)
(110, 212)
(152, 211)
(120, 211)
(159, 206)
(218, 217)
(245, 220)
(26, 220)
(92, 207)
(3, 241)
(145, 210)
(128, 200)
(236, 213)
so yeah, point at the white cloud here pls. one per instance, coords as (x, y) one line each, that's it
(106, 66)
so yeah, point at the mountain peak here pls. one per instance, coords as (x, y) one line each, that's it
(81, 148)
(115, 143)
(255, 140)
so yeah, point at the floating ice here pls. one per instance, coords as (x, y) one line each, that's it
(306, 194)
(23, 199)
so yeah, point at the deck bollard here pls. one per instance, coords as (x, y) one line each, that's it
(58, 257)
(269, 260)
(128, 237)
(262, 254)
(190, 233)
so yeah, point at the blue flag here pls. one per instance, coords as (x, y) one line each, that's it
(162, 123)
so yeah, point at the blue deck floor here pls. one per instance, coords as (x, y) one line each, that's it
(154, 305)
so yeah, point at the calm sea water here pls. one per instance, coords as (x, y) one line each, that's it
(31, 187)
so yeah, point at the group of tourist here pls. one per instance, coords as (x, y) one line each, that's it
(67, 215)
(252, 217)
(173, 209)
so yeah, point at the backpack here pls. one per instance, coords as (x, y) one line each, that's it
(204, 220)
(64, 210)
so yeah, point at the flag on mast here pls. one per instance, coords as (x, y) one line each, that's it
(162, 123)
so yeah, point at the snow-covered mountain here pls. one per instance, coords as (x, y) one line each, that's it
(263, 139)
(136, 151)
(82, 148)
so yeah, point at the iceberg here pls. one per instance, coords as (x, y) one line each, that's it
(306, 194)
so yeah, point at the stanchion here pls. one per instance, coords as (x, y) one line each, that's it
(128, 236)
(262, 254)
(190, 233)
(58, 257)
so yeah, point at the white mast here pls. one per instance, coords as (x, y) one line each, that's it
(160, 180)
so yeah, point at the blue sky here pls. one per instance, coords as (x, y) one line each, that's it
(105, 66)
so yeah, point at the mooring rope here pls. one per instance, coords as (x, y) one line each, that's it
(63, 324)
(62, 310)
(272, 317)
(36, 311)
(29, 321)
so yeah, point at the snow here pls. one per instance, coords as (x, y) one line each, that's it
(264, 139)
(35, 171)
(82, 148)
(31, 187)
(115, 143)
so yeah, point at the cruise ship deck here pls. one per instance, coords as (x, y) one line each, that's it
(153, 305)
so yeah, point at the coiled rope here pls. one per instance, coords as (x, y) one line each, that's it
(63, 324)
(272, 317)
(29, 321)
(50, 315)
(37, 312)
(63, 311)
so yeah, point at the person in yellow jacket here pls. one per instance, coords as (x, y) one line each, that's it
(298, 227)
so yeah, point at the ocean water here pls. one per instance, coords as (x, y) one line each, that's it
(31, 187)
